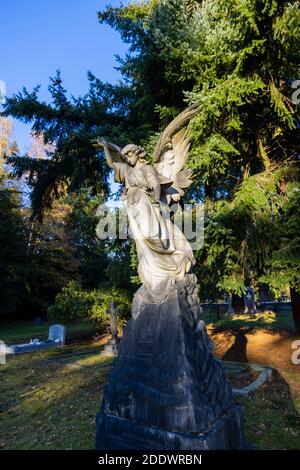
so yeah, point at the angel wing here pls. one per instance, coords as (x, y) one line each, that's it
(171, 153)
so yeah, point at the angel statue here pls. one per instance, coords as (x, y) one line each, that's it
(167, 391)
(164, 254)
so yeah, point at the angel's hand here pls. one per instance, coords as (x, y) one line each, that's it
(108, 152)
(101, 142)
(112, 152)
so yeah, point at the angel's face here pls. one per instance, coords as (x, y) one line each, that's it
(132, 156)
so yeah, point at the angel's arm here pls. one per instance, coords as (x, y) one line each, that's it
(108, 156)
(109, 150)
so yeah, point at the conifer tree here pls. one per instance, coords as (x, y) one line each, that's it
(238, 59)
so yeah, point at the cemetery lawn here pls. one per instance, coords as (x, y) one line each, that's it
(49, 399)
(272, 417)
(273, 412)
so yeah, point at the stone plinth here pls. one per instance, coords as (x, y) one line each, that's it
(166, 390)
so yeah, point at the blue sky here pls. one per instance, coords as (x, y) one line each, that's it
(39, 36)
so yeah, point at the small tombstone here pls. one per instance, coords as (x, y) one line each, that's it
(111, 348)
(57, 333)
(2, 353)
(56, 337)
(230, 310)
(250, 304)
(113, 320)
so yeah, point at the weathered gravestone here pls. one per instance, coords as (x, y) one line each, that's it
(250, 304)
(111, 348)
(2, 352)
(230, 310)
(57, 333)
(56, 337)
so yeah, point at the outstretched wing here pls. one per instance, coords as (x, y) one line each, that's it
(171, 153)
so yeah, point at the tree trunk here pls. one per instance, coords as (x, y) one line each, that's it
(238, 304)
(295, 299)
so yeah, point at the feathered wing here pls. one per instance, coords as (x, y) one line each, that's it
(171, 153)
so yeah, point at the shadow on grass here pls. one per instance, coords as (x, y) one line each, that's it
(238, 351)
(271, 419)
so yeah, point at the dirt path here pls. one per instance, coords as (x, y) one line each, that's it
(261, 347)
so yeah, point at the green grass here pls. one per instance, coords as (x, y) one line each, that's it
(21, 331)
(50, 399)
(267, 320)
(272, 421)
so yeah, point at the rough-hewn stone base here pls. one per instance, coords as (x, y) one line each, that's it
(166, 390)
(117, 433)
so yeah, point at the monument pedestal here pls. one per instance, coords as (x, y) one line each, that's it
(166, 390)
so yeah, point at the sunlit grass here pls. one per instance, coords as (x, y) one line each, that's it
(268, 320)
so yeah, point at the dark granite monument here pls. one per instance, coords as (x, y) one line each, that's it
(166, 390)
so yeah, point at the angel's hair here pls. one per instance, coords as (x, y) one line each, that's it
(139, 152)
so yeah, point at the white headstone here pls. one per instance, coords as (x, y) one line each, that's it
(57, 333)
(2, 352)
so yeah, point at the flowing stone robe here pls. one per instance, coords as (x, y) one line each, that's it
(163, 251)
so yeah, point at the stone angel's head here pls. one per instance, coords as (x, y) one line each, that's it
(132, 153)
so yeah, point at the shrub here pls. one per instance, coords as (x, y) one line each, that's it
(74, 303)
